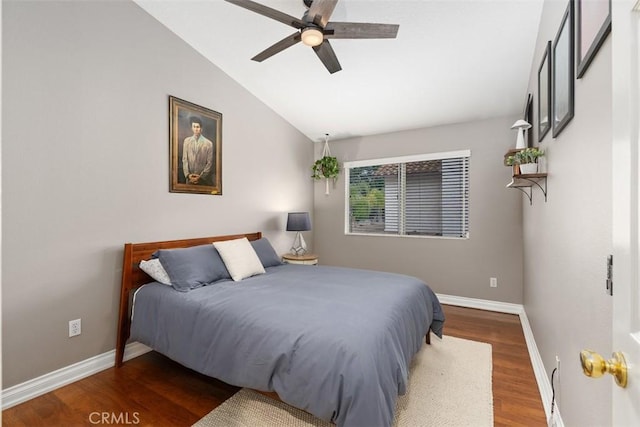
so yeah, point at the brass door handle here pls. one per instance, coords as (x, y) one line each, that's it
(594, 366)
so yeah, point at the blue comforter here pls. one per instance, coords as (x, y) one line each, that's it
(336, 342)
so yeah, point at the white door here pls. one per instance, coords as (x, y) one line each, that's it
(626, 205)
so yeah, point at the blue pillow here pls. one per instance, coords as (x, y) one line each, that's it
(190, 268)
(266, 253)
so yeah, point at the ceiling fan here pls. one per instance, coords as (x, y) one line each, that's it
(314, 29)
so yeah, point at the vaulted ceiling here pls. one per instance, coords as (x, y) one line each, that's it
(452, 61)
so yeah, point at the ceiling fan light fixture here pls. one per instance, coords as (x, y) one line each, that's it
(312, 36)
(312, 27)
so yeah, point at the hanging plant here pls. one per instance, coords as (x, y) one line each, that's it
(327, 166)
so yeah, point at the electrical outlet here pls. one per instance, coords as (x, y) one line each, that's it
(557, 365)
(493, 282)
(75, 327)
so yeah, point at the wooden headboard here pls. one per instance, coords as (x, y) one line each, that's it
(133, 277)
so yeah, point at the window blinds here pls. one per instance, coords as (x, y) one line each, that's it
(419, 197)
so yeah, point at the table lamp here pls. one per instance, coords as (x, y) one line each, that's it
(298, 221)
(521, 125)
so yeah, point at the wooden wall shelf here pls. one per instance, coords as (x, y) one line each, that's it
(525, 183)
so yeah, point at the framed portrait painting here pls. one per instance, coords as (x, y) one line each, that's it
(593, 25)
(195, 148)
(562, 74)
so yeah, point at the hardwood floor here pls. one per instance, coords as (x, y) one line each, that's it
(151, 390)
(516, 399)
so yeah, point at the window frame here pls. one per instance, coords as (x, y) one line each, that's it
(347, 166)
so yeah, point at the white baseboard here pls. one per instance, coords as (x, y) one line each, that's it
(38, 386)
(544, 384)
(481, 304)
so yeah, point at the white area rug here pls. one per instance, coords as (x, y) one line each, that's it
(450, 385)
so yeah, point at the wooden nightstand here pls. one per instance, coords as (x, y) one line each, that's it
(307, 259)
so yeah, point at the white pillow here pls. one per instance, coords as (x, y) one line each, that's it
(240, 258)
(154, 269)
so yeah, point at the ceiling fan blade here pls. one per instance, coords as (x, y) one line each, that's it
(320, 11)
(269, 13)
(360, 30)
(278, 47)
(328, 56)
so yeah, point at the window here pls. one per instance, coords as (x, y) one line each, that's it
(425, 195)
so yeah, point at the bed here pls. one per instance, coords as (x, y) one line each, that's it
(335, 342)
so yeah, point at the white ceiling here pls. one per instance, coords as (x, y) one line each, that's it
(453, 61)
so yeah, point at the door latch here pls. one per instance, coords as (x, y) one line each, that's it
(610, 274)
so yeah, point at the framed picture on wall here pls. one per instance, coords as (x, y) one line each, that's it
(544, 93)
(593, 25)
(562, 74)
(195, 148)
(527, 116)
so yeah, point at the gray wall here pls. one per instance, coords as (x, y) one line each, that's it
(85, 168)
(567, 239)
(450, 266)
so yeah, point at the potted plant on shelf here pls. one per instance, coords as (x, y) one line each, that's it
(526, 160)
(326, 167)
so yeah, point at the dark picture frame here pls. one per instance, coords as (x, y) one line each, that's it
(198, 168)
(593, 25)
(544, 93)
(562, 74)
(527, 116)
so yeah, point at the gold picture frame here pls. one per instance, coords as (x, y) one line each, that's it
(195, 148)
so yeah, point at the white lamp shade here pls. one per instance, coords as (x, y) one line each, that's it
(521, 124)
